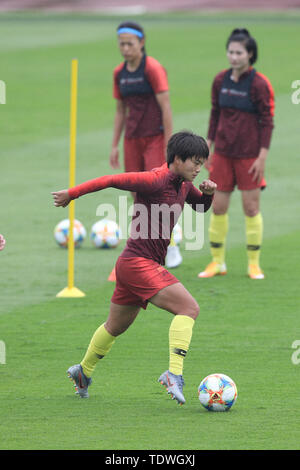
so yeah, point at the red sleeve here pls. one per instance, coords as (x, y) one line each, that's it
(116, 89)
(197, 198)
(215, 109)
(143, 182)
(157, 75)
(263, 96)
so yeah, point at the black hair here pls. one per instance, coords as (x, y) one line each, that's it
(132, 24)
(242, 35)
(186, 144)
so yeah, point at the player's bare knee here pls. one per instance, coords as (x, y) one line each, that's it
(193, 310)
(251, 211)
(113, 330)
(197, 311)
(220, 210)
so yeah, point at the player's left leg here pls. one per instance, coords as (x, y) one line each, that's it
(177, 300)
(119, 319)
(254, 231)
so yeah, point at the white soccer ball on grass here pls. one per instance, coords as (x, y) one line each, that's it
(105, 234)
(217, 392)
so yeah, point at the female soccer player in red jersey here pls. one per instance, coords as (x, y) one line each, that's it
(140, 275)
(240, 129)
(140, 87)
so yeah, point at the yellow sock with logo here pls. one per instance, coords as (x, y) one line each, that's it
(218, 228)
(254, 234)
(180, 335)
(99, 346)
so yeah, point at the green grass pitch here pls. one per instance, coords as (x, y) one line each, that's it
(245, 328)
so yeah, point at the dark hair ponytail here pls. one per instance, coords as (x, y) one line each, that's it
(240, 31)
(133, 25)
(242, 35)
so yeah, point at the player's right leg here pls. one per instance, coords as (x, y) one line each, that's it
(254, 231)
(218, 228)
(177, 300)
(222, 172)
(119, 319)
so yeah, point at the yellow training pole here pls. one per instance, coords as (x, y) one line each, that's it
(72, 291)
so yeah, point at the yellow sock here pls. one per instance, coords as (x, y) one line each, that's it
(99, 346)
(180, 335)
(218, 228)
(254, 233)
(172, 241)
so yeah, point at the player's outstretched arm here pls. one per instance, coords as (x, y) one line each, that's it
(144, 181)
(61, 198)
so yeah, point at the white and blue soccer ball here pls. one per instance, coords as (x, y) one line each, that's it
(61, 233)
(177, 233)
(105, 234)
(217, 392)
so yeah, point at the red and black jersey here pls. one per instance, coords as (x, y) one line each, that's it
(241, 119)
(138, 89)
(155, 190)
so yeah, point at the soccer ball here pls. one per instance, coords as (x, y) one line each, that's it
(177, 233)
(105, 234)
(61, 233)
(217, 392)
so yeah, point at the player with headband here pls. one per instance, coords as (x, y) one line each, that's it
(143, 111)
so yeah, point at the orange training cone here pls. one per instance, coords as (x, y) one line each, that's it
(112, 276)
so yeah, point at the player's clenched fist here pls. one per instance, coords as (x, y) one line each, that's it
(208, 187)
(61, 198)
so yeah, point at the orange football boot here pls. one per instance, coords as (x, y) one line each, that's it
(214, 269)
(254, 272)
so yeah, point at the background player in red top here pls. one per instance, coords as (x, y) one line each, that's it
(143, 110)
(140, 275)
(240, 128)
